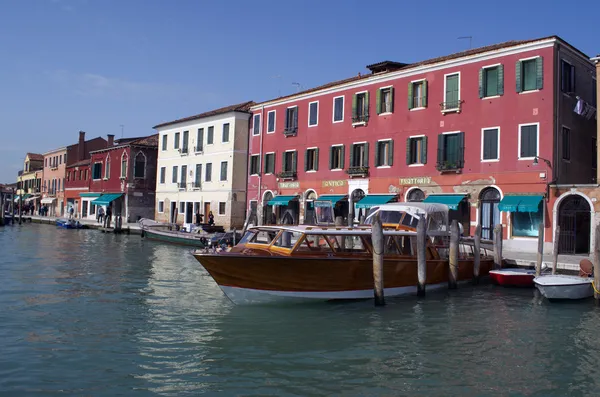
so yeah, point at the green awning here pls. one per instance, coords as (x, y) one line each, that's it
(451, 200)
(90, 194)
(515, 203)
(282, 200)
(375, 199)
(26, 196)
(327, 199)
(106, 199)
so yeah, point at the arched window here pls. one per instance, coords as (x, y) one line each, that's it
(415, 195)
(139, 169)
(124, 165)
(107, 168)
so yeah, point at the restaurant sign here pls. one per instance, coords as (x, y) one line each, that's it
(338, 183)
(420, 180)
(289, 185)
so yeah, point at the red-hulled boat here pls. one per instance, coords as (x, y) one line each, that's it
(513, 277)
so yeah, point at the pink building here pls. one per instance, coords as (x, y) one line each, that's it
(53, 186)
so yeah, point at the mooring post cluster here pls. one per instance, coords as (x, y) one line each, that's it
(497, 246)
(378, 248)
(476, 254)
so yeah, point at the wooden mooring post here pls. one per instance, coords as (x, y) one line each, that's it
(540, 250)
(497, 246)
(378, 245)
(476, 254)
(421, 256)
(597, 265)
(453, 255)
(555, 244)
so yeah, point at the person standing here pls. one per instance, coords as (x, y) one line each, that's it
(211, 218)
(71, 212)
(108, 215)
(100, 214)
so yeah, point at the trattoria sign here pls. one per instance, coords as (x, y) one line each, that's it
(289, 185)
(419, 180)
(338, 183)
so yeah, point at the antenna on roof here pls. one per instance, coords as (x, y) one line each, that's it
(467, 37)
(298, 85)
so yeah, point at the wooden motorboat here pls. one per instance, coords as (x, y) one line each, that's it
(274, 263)
(169, 233)
(559, 286)
(514, 277)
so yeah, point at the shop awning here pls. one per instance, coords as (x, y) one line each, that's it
(451, 200)
(48, 200)
(375, 199)
(90, 194)
(327, 199)
(32, 197)
(516, 203)
(106, 199)
(281, 200)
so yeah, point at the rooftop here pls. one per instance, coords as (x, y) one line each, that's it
(35, 156)
(240, 107)
(149, 141)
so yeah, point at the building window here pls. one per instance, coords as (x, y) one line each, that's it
(183, 179)
(86, 175)
(225, 133)
(182, 207)
(161, 207)
(566, 144)
(291, 120)
(198, 176)
(567, 77)
(336, 157)
(490, 144)
(491, 81)
(360, 107)
(289, 161)
(222, 206)
(123, 165)
(186, 138)
(450, 151)
(271, 122)
(526, 224)
(223, 170)
(254, 164)
(313, 114)
(80, 174)
(199, 140)
(174, 175)
(208, 172)
(385, 100)
(139, 167)
(164, 142)
(176, 141)
(452, 93)
(97, 171)
(64, 160)
(270, 163)
(163, 173)
(384, 153)
(415, 195)
(311, 159)
(338, 109)
(417, 94)
(416, 150)
(528, 141)
(529, 74)
(256, 124)
(210, 136)
(359, 155)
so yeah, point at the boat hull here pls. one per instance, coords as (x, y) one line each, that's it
(513, 277)
(174, 238)
(559, 287)
(249, 279)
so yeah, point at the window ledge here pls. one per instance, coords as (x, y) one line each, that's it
(338, 121)
(416, 165)
(313, 125)
(526, 158)
(359, 124)
(490, 160)
(528, 92)
(491, 97)
(454, 110)
(385, 114)
(255, 174)
(383, 166)
(337, 169)
(419, 108)
(311, 171)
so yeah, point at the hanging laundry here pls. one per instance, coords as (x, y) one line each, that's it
(579, 106)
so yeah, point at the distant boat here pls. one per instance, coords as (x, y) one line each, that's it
(164, 232)
(564, 287)
(69, 224)
(513, 277)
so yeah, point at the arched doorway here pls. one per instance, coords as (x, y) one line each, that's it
(355, 197)
(489, 213)
(415, 196)
(574, 219)
(268, 218)
(309, 207)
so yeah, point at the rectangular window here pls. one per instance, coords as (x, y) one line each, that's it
(254, 164)
(176, 141)
(289, 161)
(163, 174)
(270, 163)
(225, 133)
(291, 119)
(359, 155)
(416, 150)
(313, 114)
(526, 224)
(528, 141)
(336, 157)
(198, 176)
(417, 94)
(490, 143)
(271, 122)
(86, 175)
(360, 107)
(338, 109)
(161, 207)
(529, 74)
(210, 136)
(123, 166)
(164, 142)
(450, 151)
(491, 81)
(566, 144)
(567, 77)
(452, 92)
(208, 172)
(311, 159)
(256, 124)
(200, 140)
(385, 100)
(182, 207)
(384, 153)
(186, 138)
(223, 170)
(175, 173)
(183, 180)
(97, 171)
(222, 206)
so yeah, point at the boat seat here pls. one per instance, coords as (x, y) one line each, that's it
(586, 269)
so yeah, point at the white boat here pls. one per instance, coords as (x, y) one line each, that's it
(564, 287)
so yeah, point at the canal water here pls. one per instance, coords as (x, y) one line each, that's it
(91, 314)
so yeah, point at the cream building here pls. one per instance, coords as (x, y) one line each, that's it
(202, 164)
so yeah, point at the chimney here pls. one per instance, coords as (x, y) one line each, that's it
(81, 146)
(111, 140)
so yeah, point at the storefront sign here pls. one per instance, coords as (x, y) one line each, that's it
(338, 183)
(289, 185)
(420, 180)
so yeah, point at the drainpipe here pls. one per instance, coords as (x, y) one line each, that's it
(259, 204)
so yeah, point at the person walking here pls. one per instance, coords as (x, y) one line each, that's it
(71, 212)
(100, 216)
(211, 218)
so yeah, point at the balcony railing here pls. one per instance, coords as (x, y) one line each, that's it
(290, 131)
(183, 151)
(360, 118)
(194, 186)
(452, 106)
(358, 171)
(181, 185)
(198, 149)
(450, 165)
(287, 175)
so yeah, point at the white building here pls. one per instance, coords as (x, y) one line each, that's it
(202, 164)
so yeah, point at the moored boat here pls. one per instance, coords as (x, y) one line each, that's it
(164, 232)
(513, 277)
(555, 286)
(69, 224)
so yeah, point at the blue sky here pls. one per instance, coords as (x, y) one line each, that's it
(94, 65)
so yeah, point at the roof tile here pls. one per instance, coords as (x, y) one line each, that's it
(240, 107)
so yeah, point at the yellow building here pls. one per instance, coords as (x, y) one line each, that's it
(29, 180)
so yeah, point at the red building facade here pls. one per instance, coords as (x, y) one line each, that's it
(490, 131)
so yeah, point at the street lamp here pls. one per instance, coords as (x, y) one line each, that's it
(535, 161)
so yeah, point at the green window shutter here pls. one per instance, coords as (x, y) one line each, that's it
(481, 85)
(273, 166)
(265, 167)
(294, 161)
(539, 67)
(377, 145)
(441, 151)
(378, 102)
(352, 155)
(354, 102)
(366, 164)
(424, 150)
(316, 159)
(461, 147)
(424, 97)
(518, 69)
(331, 157)
(287, 119)
(306, 160)
(407, 151)
(392, 99)
(391, 153)
(284, 162)
(366, 106)
(295, 125)
(343, 156)
(501, 80)
(410, 96)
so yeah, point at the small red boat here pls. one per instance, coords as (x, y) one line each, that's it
(513, 277)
